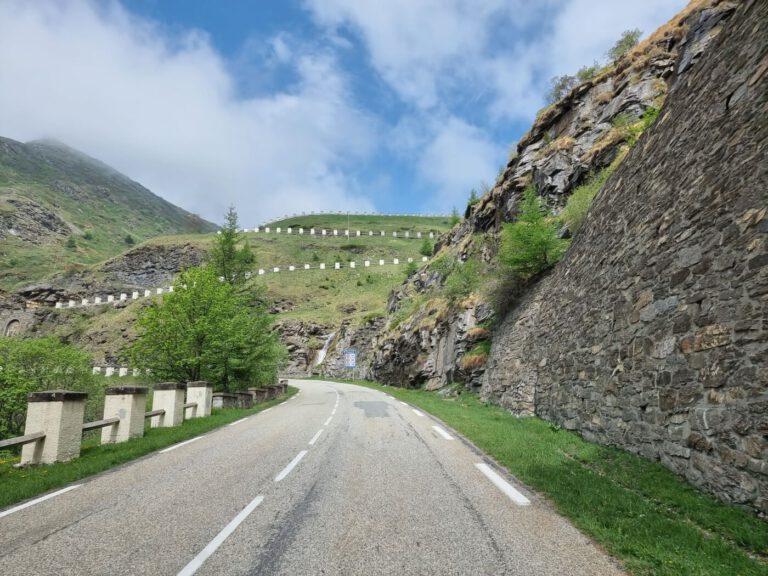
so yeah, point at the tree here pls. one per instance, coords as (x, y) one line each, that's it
(206, 330)
(473, 197)
(560, 86)
(426, 248)
(229, 261)
(588, 72)
(530, 245)
(36, 364)
(624, 44)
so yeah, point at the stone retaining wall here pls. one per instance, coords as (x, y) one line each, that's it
(651, 333)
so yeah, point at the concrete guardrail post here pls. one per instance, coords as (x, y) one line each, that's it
(127, 403)
(168, 396)
(59, 415)
(202, 393)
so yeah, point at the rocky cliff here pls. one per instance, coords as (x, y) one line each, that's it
(651, 333)
(571, 139)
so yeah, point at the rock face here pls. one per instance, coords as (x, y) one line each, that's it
(577, 135)
(651, 334)
(151, 266)
(29, 221)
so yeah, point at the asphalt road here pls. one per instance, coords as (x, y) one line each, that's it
(338, 480)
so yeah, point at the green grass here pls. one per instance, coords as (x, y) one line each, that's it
(365, 223)
(639, 511)
(22, 483)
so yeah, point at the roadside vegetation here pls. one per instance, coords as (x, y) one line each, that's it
(642, 513)
(22, 483)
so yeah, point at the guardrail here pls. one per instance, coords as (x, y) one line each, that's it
(55, 418)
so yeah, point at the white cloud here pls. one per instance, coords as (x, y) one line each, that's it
(164, 110)
(456, 159)
(435, 52)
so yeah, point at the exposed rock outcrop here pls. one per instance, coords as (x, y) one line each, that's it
(651, 333)
(578, 135)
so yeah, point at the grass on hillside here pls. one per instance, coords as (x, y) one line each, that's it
(638, 510)
(365, 223)
(22, 483)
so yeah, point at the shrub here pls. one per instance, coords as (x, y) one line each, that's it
(464, 280)
(426, 248)
(129, 240)
(70, 243)
(410, 269)
(588, 72)
(560, 86)
(88, 235)
(624, 44)
(38, 364)
(371, 317)
(530, 245)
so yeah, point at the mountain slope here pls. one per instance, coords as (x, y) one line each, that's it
(50, 193)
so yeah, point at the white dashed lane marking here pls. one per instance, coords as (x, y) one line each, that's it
(503, 485)
(291, 466)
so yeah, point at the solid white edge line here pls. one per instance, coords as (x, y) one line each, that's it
(291, 466)
(38, 500)
(179, 445)
(315, 437)
(417, 412)
(267, 410)
(503, 485)
(328, 421)
(206, 552)
(238, 421)
(403, 403)
(443, 432)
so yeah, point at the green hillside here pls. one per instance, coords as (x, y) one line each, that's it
(318, 296)
(61, 209)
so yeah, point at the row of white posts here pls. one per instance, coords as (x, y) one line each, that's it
(55, 419)
(98, 300)
(336, 265)
(117, 371)
(347, 233)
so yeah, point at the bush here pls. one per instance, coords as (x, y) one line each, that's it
(410, 269)
(70, 243)
(88, 235)
(588, 72)
(129, 240)
(37, 364)
(464, 280)
(426, 248)
(624, 44)
(530, 245)
(560, 86)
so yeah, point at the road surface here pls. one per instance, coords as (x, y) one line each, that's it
(340, 479)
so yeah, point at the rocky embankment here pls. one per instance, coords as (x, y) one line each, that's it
(571, 139)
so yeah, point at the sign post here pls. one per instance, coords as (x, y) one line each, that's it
(350, 359)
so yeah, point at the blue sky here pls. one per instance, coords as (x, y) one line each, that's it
(282, 107)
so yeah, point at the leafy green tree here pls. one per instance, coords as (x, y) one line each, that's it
(206, 330)
(624, 44)
(33, 365)
(426, 248)
(230, 261)
(588, 72)
(530, 245)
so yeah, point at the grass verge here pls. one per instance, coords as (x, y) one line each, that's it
(21, 483)
(639, 511)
